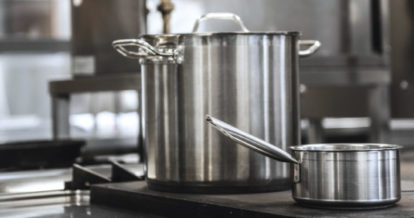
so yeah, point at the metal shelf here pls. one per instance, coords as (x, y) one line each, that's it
(34, 45)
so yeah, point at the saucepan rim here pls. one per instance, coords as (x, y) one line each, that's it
(346, 147)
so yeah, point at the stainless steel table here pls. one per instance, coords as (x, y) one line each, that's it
(61, 91)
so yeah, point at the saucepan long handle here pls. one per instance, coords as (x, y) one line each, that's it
(251, 141)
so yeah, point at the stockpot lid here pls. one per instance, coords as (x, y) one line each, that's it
(170, 46)
(243, 30)
(346, 147)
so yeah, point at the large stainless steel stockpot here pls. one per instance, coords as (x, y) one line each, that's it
(339, 175)
(246, 78)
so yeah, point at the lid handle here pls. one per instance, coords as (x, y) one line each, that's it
(220, 16)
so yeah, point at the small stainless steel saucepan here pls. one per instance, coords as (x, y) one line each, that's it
(333, 175)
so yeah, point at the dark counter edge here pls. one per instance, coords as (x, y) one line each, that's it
(136, 196)
(159, 203)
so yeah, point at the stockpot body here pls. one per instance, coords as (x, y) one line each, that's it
(247, 79)
(346, 177)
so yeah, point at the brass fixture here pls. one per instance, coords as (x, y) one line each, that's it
(166, 7)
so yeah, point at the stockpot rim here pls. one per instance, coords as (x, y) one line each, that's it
(208, 34)
(345, 147)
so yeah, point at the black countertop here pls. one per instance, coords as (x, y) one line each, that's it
(136, 196)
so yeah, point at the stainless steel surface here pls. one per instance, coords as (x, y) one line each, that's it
(247, 78)
(61, 204)
(345, 147)
(225, 76)
(334, 174)
(361, 177)
(44, 181)
(95, 24)
(6, 198)
(41, 193)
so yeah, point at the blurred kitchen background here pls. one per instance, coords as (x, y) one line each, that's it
(60, 77)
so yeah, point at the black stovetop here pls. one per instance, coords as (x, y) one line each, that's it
(136, 196)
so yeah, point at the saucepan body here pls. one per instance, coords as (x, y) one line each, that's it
(346, 174)
(338, 175)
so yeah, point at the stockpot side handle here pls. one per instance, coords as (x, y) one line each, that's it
(220, 16)
(312, 47)
(250, 141)
(144, 49)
